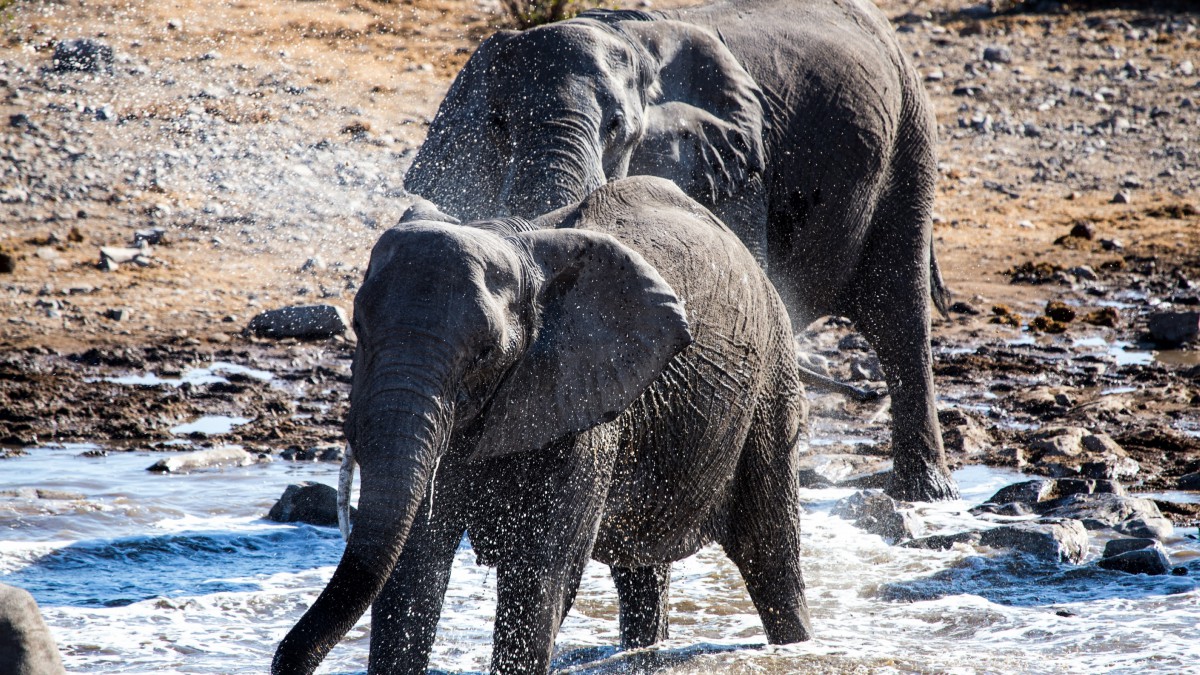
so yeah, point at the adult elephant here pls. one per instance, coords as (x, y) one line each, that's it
(799, 123)
(622, 387)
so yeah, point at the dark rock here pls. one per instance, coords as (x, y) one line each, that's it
(1107, 317)
(1119, 546)
(1083, 230)
(813, 480)
(8, 262)
(876, 512)
(26, 646)
(1063, 540)
(1028, 492)
(1152, 561)
(962, 307)
(854, 342)
(306, 322)
(1189, 481)
(1060, 311)
(307, 502)
(82, 54)
(1128, 515)
(1122, 197)
(944, 542)
(1172, 329)
(203, 459)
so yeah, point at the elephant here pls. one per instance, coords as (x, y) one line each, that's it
(615, 380)
(799, 123)
(26, 645)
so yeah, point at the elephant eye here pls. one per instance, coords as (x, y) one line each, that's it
(616, 124)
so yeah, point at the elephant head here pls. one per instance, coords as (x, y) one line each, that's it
(539, 119)
(506, 339)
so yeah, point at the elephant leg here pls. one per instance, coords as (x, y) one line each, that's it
(643, 594)
(763, 533)
(891, 306)
(548, 525)
(405, 615)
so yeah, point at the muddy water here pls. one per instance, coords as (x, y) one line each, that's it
(178, 574)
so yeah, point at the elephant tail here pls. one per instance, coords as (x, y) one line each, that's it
(937, 286)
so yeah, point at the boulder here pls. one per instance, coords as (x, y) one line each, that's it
(824, 470)
(1028, 492)
(1128, 515)
(1060, 540)
(877, 513)
(1189, 481)
(26, 646)
(1119, 546)
(84, 55)
(1173, 329)
(1152, 560)
(203, 459)
(963, 435)
(307, 502)
(305, 322)
(1055, 442)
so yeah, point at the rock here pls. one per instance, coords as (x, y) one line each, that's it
(307, 502)
(203, 459)
(876, 512)
(854, 342)
(306, 322)
(1119, 546)
(151, 236)
(835, 468)
(118, 313)
(313, 264)
(1028, 492)
(1061, 540)
(1083, 230)
(944, 542)
(1133, 516)
(1045, 324)
(8, 262)
(1084, 272)
(1060, 311)
(1152, 561)
(1173, 329)
(1189, 481)
(1122, 197)
(26, 646)
(997, 54)
(39, 493)
(866, 368)
(1106, 316)
(962, 435)
(962, 307)
(83, 54)
(1058, 441)
(112, 257)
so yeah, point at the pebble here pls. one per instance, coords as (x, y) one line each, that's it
(1122, 197)
(83, 54)
(997, 54)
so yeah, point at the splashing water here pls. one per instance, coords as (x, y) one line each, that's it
(146, 573)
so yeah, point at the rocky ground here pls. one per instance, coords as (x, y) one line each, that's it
(240, 157)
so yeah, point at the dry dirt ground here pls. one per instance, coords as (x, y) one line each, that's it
(267, 141)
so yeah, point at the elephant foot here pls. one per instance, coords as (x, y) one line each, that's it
(917, 481)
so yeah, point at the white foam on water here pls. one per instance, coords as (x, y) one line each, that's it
(210, 425)
(196, 582)
(212, 374)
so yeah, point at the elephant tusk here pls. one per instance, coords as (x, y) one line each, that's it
(345, 484)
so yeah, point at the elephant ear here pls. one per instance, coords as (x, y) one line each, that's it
(456, 165)
(608, 326)
(704, 120)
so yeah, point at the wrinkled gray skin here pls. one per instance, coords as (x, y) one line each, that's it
(26, 645)
(800, 124)
(621, 388)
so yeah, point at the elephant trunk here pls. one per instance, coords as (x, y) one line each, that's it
(548, 177)
(397, 448)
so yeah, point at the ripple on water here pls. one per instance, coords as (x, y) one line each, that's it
(178, 574)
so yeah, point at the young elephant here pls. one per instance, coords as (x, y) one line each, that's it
(616, 381)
